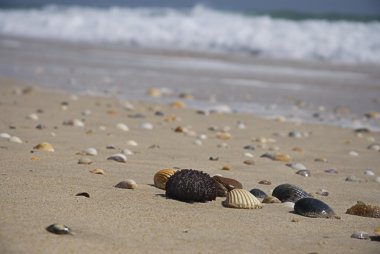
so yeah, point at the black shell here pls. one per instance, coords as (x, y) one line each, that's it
(311, 207)
(289, 193)
(191, 185)
(258, 193)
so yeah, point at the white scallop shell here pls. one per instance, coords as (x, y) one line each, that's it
(122, 126)
(239, 198)
(119, 157)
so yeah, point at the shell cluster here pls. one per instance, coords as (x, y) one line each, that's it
(243, 199)
(191, 185)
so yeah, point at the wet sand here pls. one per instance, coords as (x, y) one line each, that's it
(36, 193)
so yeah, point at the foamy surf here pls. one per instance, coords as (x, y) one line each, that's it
(201, 28)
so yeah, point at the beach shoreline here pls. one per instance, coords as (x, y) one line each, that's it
(38, 188)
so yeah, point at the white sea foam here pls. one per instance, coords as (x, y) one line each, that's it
(200, 28)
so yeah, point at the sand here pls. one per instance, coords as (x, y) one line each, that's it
(37, 193)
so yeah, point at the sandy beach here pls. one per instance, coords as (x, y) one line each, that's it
(39, 188)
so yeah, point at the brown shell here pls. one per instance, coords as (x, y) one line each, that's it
(162, 176)
(46, 147)
(239, 198)
(362, 209)
(225, 184)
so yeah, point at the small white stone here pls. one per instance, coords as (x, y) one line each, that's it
(78, 123)
(353, 153)
(15, 139)
(64, 107)
(249, 155)
(32, 116)
(102, 128)
(129, 106)
(147, 126)
(132, 143)
(241, 125)
(122, 126)
(369, 172)
(202, 136)
(87, 112)
(74, 97)
(53, 134)
(91, 151)
(197, 142)
(5, 135)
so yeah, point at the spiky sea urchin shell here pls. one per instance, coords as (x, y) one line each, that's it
(191, 185)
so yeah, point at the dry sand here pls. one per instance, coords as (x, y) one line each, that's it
(37, 193)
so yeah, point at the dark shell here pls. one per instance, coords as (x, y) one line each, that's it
(289, 193)
(225, 184)
(59, 229)
(311, 207)
(191, 185)
(362, 209)
(258, 193)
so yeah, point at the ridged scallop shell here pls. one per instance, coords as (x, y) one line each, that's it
(289, 193)
(239, 198)
(47, 147)
(225, 184)
(315, 208)
(162, 176)
(362, 209)
(191, 185)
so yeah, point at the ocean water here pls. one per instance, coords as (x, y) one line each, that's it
(201, 29)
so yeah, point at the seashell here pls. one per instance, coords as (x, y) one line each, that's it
(322, 192)
(305, 173)
(377, 179)
(177, 104)
(277, 157)
(162, 176)
(85, 161)
(132, 143)
(32, 116)
(46, 147)
(84, 194)
(249, 162)
(90, 151)
(86, 112)
(352, 179)
(223, 135)
(249, 155)
(296, 166)
(271, 200)
(311, 207)
(97, 171)
(295, 134)
(374, 147)
(239, 198)
(353, 153)
(369, 172)
(197, 142)
(331, 171)
(202, 136)
(119, 157)
(147, 126)
(373, 115)
(15, 139)
(186, 96)
(59, 229)
(298, 149)
(127, 151)
(265, 182)
(191, 185)
(377, 231)
(360, 235)
(122, 127)
(225, 184)
(227, 168)
(320, 160)
(35, 158)
(213, 158)
(241, 125)
(74, 122)
(40, 126)
(249, 147)
(5, 135)
(288, 204)
(258, 193)
(154, 92)
(364, 210)
(127, 184)
(289, 192)
(223, 145)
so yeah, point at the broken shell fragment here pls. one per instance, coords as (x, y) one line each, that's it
(364, 210)
(84, 194)
(239, 198)
(225, 184)
(119, 157)
(127, 184)
(315, 208)
(162, 176)
(97, 171)
(46, 147)
(59, 229)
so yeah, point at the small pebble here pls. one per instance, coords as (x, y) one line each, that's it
(377, 179)
(32, 116)
(212, 158)
(223, 135)
(353, 153)
(241, 125)
(126, 151)
(59, 229)
(74, 122)
(322, 192)
(177, 105)
(265, 182)
(202, 136)
(97, 171)
(46, 147)
(85, 161)
(223, 145)
(360, 235)
(249, 147)
(352, 179)
(35, 158)
(374, 147)
(249, 155)
(249, 162)
(331, 171)
(295, 134)
(197, 142)
(295, 220)
(305, 173)
(119, 157)
(369, 172)
(147, 126)
(122, 127)
(90, 151)
(298, 149)
(132, 143)
(5, 135)
(228, 168)
(40, 126)
(320, 160)
(296, 166)
(127, 184)
(15, 139)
